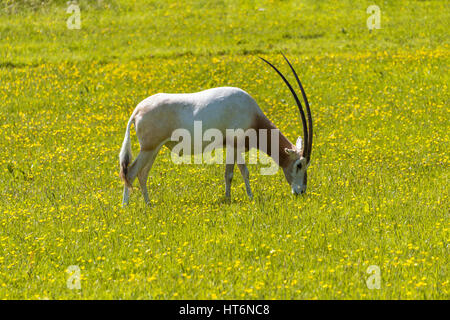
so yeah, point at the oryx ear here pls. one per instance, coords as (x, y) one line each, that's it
(290, 151)
(299, 144)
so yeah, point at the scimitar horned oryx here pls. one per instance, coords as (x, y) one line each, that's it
(156, 118)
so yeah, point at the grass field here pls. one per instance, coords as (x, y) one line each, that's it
(378, 191)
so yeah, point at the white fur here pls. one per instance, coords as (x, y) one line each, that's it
(299, 144)
(156, 117)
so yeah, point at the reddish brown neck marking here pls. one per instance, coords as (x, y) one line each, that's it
(262, 122)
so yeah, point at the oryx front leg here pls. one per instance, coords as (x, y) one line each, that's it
(228, 178)
(245, 174)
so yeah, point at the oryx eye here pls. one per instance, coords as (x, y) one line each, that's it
(299, 166)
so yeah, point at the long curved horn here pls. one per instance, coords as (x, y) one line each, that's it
(308, 110)
(299, 105)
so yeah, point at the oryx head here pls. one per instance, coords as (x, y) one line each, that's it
(300, 154)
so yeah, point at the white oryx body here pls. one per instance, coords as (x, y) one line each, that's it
(158, 116)
(219, 108)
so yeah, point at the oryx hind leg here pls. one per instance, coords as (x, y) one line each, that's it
(143, 175)
(126, 196)
(133, 170)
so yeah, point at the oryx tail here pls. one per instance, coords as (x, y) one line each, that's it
(125, 155)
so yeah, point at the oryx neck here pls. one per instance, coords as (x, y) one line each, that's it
(262, 122)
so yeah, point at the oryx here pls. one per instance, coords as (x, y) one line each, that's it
(156, 117)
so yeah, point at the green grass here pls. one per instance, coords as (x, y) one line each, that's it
(378, 183)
